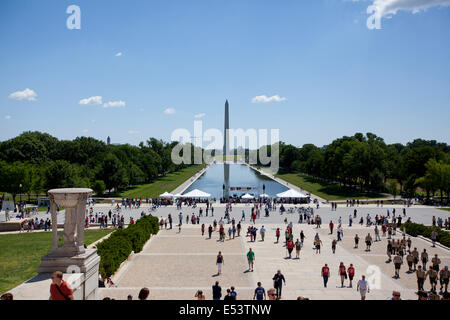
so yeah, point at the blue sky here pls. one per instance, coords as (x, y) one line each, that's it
(334, 76)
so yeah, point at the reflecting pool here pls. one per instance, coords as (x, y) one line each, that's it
(228, 180)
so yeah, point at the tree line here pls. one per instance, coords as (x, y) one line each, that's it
(368, 163)
(36, 162)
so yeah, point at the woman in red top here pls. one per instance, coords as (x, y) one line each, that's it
(290, 247)
(277, 234)
(342, 273)
(351, 274)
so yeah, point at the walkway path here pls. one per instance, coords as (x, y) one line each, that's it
(175, 265)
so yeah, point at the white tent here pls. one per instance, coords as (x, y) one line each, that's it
(247, 196)
(291, 194)
(196, 194)
(177, 195)
(166, 195)
(264, 195)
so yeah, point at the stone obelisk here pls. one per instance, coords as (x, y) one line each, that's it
(226, 139)
(226, 152)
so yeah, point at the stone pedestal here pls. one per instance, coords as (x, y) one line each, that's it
(72, 258)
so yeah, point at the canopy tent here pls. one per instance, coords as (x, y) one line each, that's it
(247, 196)
(166, 195)
(264, 195)
(196, 194)
(178, 195)
(291, 194)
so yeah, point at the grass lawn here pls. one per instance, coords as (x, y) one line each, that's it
(328, 191)
(166, 183)
(445, 209)
(20, 254)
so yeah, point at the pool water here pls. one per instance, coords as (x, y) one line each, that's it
(232, 176)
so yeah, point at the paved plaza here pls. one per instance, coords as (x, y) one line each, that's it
(175, 265)
(418, 214)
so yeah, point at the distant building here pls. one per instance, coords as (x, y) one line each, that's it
(108, 141)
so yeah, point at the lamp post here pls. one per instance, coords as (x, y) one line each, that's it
(20, 192)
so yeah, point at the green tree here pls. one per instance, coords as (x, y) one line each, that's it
(99, 187)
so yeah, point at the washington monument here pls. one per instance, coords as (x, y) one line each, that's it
(226, 139)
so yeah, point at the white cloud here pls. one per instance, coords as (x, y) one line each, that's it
(8, 117)
(133, 131)
(266, 99)
(114, 104)
(391, 7)
(85, 131)
(169, 111)
(118, 54)
(26, 94)
(92, 101)
(200, 115)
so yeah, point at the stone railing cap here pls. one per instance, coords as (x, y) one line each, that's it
(70, 191)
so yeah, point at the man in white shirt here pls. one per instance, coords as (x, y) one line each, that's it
(363, 287)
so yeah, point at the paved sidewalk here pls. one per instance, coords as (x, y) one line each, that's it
(175, 265)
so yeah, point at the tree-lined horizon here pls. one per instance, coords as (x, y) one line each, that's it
(35, 162)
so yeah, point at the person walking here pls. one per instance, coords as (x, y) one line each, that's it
(262, 231)
(409, 261)
(333, 246)
(398, 261)
(278, 281)
(436, 262)
(277, 234)
(444, 275)
(325, 274)
(434, 238)
(368, 242)
(298, 246)
(420, 274)
(432, 275)
(302, 237)
(210, 231)
(260, 293)
(356, 241)
(363, 287)
(250, 259)
(342, 273)
(424, 258)
(317, 244)
(216, 291)
(290, 246)
(377, 234)
(351, 274)
(219, 262)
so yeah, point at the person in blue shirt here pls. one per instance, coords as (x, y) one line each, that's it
(260, 293)
(233, 293)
